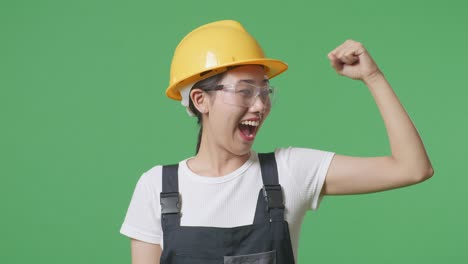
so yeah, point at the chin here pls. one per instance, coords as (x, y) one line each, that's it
(242, 151)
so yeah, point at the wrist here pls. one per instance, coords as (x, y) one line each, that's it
(375, 76)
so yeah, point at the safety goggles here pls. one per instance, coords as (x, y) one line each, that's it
(245, 94)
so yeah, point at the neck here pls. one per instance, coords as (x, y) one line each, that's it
(214, 161)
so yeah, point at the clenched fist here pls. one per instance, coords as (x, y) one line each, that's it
(352, 60)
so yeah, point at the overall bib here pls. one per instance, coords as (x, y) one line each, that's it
(266, 241)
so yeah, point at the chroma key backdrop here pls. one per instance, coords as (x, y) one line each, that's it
(83, 114)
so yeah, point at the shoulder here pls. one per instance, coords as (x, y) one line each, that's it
(152, 174)
(151, 179)
(303, 162)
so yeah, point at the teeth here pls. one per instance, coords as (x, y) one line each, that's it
(250, 123)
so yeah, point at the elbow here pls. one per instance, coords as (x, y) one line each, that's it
(423, 175)
(429, 173)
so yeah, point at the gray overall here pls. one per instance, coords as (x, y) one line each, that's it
(266, 241)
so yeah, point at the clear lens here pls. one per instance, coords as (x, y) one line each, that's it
(271, 95)
(244, 94)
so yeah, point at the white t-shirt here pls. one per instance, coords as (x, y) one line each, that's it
(230, 200)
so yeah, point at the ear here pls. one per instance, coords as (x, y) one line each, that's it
(200, 100)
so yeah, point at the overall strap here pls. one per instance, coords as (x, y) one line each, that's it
(272, 192)
(170, 197)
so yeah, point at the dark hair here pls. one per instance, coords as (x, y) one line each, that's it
(205, 85)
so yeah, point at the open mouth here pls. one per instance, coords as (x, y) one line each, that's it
(248, 129)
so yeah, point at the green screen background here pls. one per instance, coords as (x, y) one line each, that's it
(83, 115)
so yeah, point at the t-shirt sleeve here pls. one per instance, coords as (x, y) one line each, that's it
(308, 169)
(143, 221)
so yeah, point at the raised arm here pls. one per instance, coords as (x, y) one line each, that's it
(408, 164)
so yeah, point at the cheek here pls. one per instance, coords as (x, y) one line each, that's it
(226, 117)
(227, 120)
(222, 118)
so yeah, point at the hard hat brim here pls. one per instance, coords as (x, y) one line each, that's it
(274, 68)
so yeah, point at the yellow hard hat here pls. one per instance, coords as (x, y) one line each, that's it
(211, 49)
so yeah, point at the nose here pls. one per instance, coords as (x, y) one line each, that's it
(258, 105)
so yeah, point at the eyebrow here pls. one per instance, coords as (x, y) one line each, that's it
(250, 81)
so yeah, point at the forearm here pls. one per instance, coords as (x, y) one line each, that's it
(406, 145)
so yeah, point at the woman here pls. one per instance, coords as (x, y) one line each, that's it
(229, 204)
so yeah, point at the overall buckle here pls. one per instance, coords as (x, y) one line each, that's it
(273, 196)
(170, 203)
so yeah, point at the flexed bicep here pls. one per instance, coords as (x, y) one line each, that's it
(354, 175)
